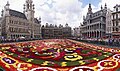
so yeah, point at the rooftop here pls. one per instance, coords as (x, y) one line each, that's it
(17, 14)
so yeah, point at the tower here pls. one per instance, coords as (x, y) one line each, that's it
(7, 5)
(105, 6)
(29, 10)
(89, 9)
(5, 12)
(89, 13)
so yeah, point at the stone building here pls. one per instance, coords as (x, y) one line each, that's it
(66, 31)
(94, 23)
(54, 31)
(76, 32)
(113, 22)
(16, 24)
(109, 25)
(116, 21)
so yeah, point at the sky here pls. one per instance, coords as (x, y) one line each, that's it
(61, 11)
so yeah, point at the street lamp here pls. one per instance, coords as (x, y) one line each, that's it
(29, 33)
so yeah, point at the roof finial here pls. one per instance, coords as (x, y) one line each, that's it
(40, 18)
(83, 17)
(89, 9)
(101, 7)
(89, 5)
(105, 6)
(7, 3)
(2, 12)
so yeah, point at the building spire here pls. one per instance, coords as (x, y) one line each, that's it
(83, 17)
(7, 6)
(24, 8)
(29, 5)
(89, 9)
(89, 5)
(29, 10)
(2, 12)
(101, 7)
(105, 6)
(7, 3)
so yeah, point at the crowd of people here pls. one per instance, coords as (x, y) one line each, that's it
(113, 41)
(108, 41)
(15, 40)
(103, 41)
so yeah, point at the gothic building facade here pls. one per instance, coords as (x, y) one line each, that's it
(16, 24)
(94, 23)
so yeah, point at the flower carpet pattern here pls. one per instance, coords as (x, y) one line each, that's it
(58, 55)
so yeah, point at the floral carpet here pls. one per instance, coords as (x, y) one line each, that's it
(58, 55)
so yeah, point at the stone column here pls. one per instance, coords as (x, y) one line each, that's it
(96, 34)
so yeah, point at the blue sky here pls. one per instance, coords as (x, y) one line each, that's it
(94, 2)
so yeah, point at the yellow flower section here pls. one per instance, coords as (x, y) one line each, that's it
(96, 59)
(64, 64)
(81, 62)
(30, 60)
(45, 63)
(73, 57)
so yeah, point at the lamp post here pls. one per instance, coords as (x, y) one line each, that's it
(29, 33)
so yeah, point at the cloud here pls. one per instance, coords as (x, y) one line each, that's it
(59, 11)
(62, 13)
(110, 3)
(52, 11)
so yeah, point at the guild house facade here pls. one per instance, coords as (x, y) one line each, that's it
(16, 24)
(53, 31)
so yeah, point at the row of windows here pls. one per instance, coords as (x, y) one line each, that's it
(115, 29)
(108, 16)
(19, 30)
(36, 32)
(115, 24)
(94, 27)
(109, 23)
(19, 23)
(109, 29)
(97, 14)
(117, 9)
(115, 16)
(27, 36)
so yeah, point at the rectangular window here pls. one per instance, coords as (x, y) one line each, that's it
(118, 8)
(119, 16)
(116, 23)
(116, 29)
(115, 16)
(113, 24)
(19, 23)
(113, 29)
(10, 21)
